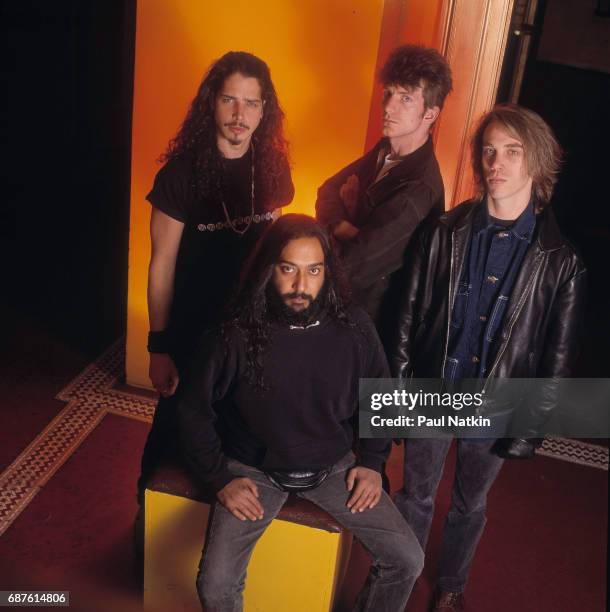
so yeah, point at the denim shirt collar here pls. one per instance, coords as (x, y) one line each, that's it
(522, 228)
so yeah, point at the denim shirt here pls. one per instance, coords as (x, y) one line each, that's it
(488, 275)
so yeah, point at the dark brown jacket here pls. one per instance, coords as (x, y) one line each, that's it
(389, 211)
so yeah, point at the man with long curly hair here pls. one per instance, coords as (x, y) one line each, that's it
(493, 291)
(268, 409)
(373, 206)
(225, 177)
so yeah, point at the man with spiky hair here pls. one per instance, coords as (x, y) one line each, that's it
(373, 206)
(492, 291)
(225, 177)
(268, 408)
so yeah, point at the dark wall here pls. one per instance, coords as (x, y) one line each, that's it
(576, 104)
(67, 73)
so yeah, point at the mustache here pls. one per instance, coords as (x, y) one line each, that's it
(295, 295)
(235, 124)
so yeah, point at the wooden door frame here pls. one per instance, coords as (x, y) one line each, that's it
(473, 39)
(472, 35)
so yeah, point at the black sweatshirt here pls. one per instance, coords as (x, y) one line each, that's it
(303, 421)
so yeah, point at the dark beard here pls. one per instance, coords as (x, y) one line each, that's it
(280, 312)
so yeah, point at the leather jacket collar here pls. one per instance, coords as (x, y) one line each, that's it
(547, 232)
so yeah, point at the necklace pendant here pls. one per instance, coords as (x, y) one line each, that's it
(248, 220)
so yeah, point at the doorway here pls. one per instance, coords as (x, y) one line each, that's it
(557, 63)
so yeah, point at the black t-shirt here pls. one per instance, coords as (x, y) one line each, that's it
(505, 223)
(211, 253)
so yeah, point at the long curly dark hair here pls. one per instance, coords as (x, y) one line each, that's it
(249, 309)
(197, 135)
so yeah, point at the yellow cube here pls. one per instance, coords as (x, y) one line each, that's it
(297, 565)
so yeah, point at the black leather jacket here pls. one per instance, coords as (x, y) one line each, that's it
(540, 330)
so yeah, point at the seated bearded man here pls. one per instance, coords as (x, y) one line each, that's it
(268, 408)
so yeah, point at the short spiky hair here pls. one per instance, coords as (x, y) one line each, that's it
(542, 151)
(416, 66)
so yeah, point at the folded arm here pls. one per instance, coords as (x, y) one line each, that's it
(379, 248)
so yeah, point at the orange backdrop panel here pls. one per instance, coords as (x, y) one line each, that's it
(322, 56)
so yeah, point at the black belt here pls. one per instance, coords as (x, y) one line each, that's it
(299, 480)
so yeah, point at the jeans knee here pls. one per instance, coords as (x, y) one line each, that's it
(405, 556)
(414, 500)
(215, 589)
(460, 508)
(414, 560)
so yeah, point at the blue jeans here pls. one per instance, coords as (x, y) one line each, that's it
(397, 558)
(476, 470)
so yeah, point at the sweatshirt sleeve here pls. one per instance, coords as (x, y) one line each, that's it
(373, 452)
(208, 381)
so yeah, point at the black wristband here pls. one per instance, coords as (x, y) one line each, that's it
(158, 342)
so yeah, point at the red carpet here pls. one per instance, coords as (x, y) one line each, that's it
(35, 366)
(77, 534)
(544, 548)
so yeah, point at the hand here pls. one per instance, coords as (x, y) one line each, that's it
(344, 230)
(163, 374)
(349, 194)
(240, 498)
(367, 492)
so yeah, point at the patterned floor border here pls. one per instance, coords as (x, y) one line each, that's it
(91, 395)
